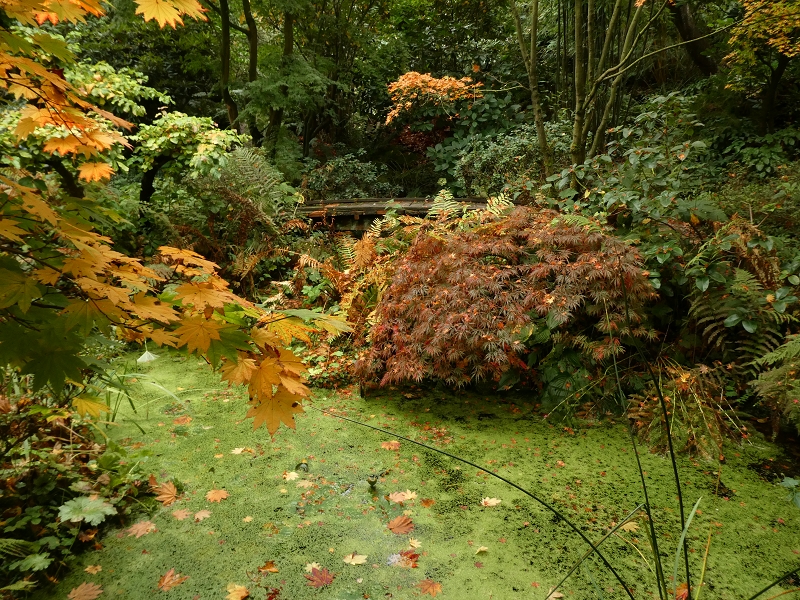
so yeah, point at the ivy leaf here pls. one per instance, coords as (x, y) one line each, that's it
(85, 509)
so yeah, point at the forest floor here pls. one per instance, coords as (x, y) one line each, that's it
(278, 520)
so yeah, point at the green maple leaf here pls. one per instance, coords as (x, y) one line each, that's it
(34, 562)
(54, 367)
(84, 508)
(17, 288)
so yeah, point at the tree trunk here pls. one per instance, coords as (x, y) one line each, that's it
(578, 147)
(530, 56)
(276, 113)
(252, 65)
(770, 94)
(230, 104)
(687, 28)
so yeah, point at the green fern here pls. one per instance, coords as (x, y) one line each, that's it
(17, 548)
(444, 206)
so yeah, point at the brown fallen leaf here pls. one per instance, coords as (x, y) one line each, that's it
(85, 591)
(428, 586)
(141, 528)
(93, 569)
(182, 420)
(216, 495)
(269, 567)
(554, 595)
(393, 445)
(397, 497)
(401, 525)
(237, 592)
(319, 578)
(200, 515)
(166, 493)
(88, 535)
(181, 514)
(427, 502)
(170, 579)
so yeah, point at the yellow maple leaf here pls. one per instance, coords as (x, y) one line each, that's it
(294, 386)
(264, 338)
(150, 308)
(236, 592)
(280, 409)
(168, 12)
(87, 405)
(291, 363)
(239, 372)
(200, 295)
(262, 379)
(196, 333)
(187, 257)
(95, 171)
(10, 231)
(162, 337)
(288, 328)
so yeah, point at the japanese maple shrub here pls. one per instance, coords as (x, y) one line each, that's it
(473, 303)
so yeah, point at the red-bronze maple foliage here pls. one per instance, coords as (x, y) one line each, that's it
(458, 303)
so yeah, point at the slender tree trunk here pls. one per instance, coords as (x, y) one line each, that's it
(230, 104)
(276, 114)
(578, 146)
(252, 65)
(770, 94)
(599, 136)
(687, 28)
(530, 56)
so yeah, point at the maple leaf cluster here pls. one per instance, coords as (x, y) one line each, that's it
(461, 305)
(416, 89)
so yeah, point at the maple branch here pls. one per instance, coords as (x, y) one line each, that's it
(544, 503)
(73, 188)
(217, 10)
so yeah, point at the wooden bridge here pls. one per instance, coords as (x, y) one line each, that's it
(357, 214)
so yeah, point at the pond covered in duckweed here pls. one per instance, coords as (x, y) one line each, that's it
(310, 498)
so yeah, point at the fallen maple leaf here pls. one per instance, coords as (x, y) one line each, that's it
(170, 579)
(311, 566)
(401, 525)
(490, 501)
(203, 514)
(290, 476)
(481, 549)
(410, 495)
(305, 484)
(630, 526)
(393, 445)
(216, 495)
(355, 559)
(181, 514)
(319, 578)
(93, 569)
(428, 586)
(85, 591)
(141, 528)
(166, 493)
(397, 497)
(237, 592)
(414, 543)
(269, 567)
(427, 502)
(553, 594)
(182, 420)
(247, 519)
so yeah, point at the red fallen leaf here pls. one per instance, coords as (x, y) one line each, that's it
(408, 559)
(170, 579)
(428, 586)
(479, 564)
(319, 578)
(393, 445)
(427, 502)
(401, 525)
(682, 593)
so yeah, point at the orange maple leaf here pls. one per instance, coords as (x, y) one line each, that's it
(239, 372)
(141, 528)
(166, 493)
(200, 295)
(95, 171)
(393, 445)
(401, 525)
(170, 579)
(269, 567)
(427, 502)
(428, 586)
(216, 495)
(263, 378)
(280, 409)
(196, 333)
(168, 12)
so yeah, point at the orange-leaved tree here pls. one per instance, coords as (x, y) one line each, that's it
(61, 281)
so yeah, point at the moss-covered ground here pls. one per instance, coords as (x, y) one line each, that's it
(587, 470)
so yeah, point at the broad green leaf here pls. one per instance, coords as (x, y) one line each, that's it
(750, 326)
(85, 509)
(54, 368)
(17, 288)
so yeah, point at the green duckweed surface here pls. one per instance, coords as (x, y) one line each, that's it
(586, 470)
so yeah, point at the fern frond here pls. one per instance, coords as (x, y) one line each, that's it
(18, 548)
(444, 206)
